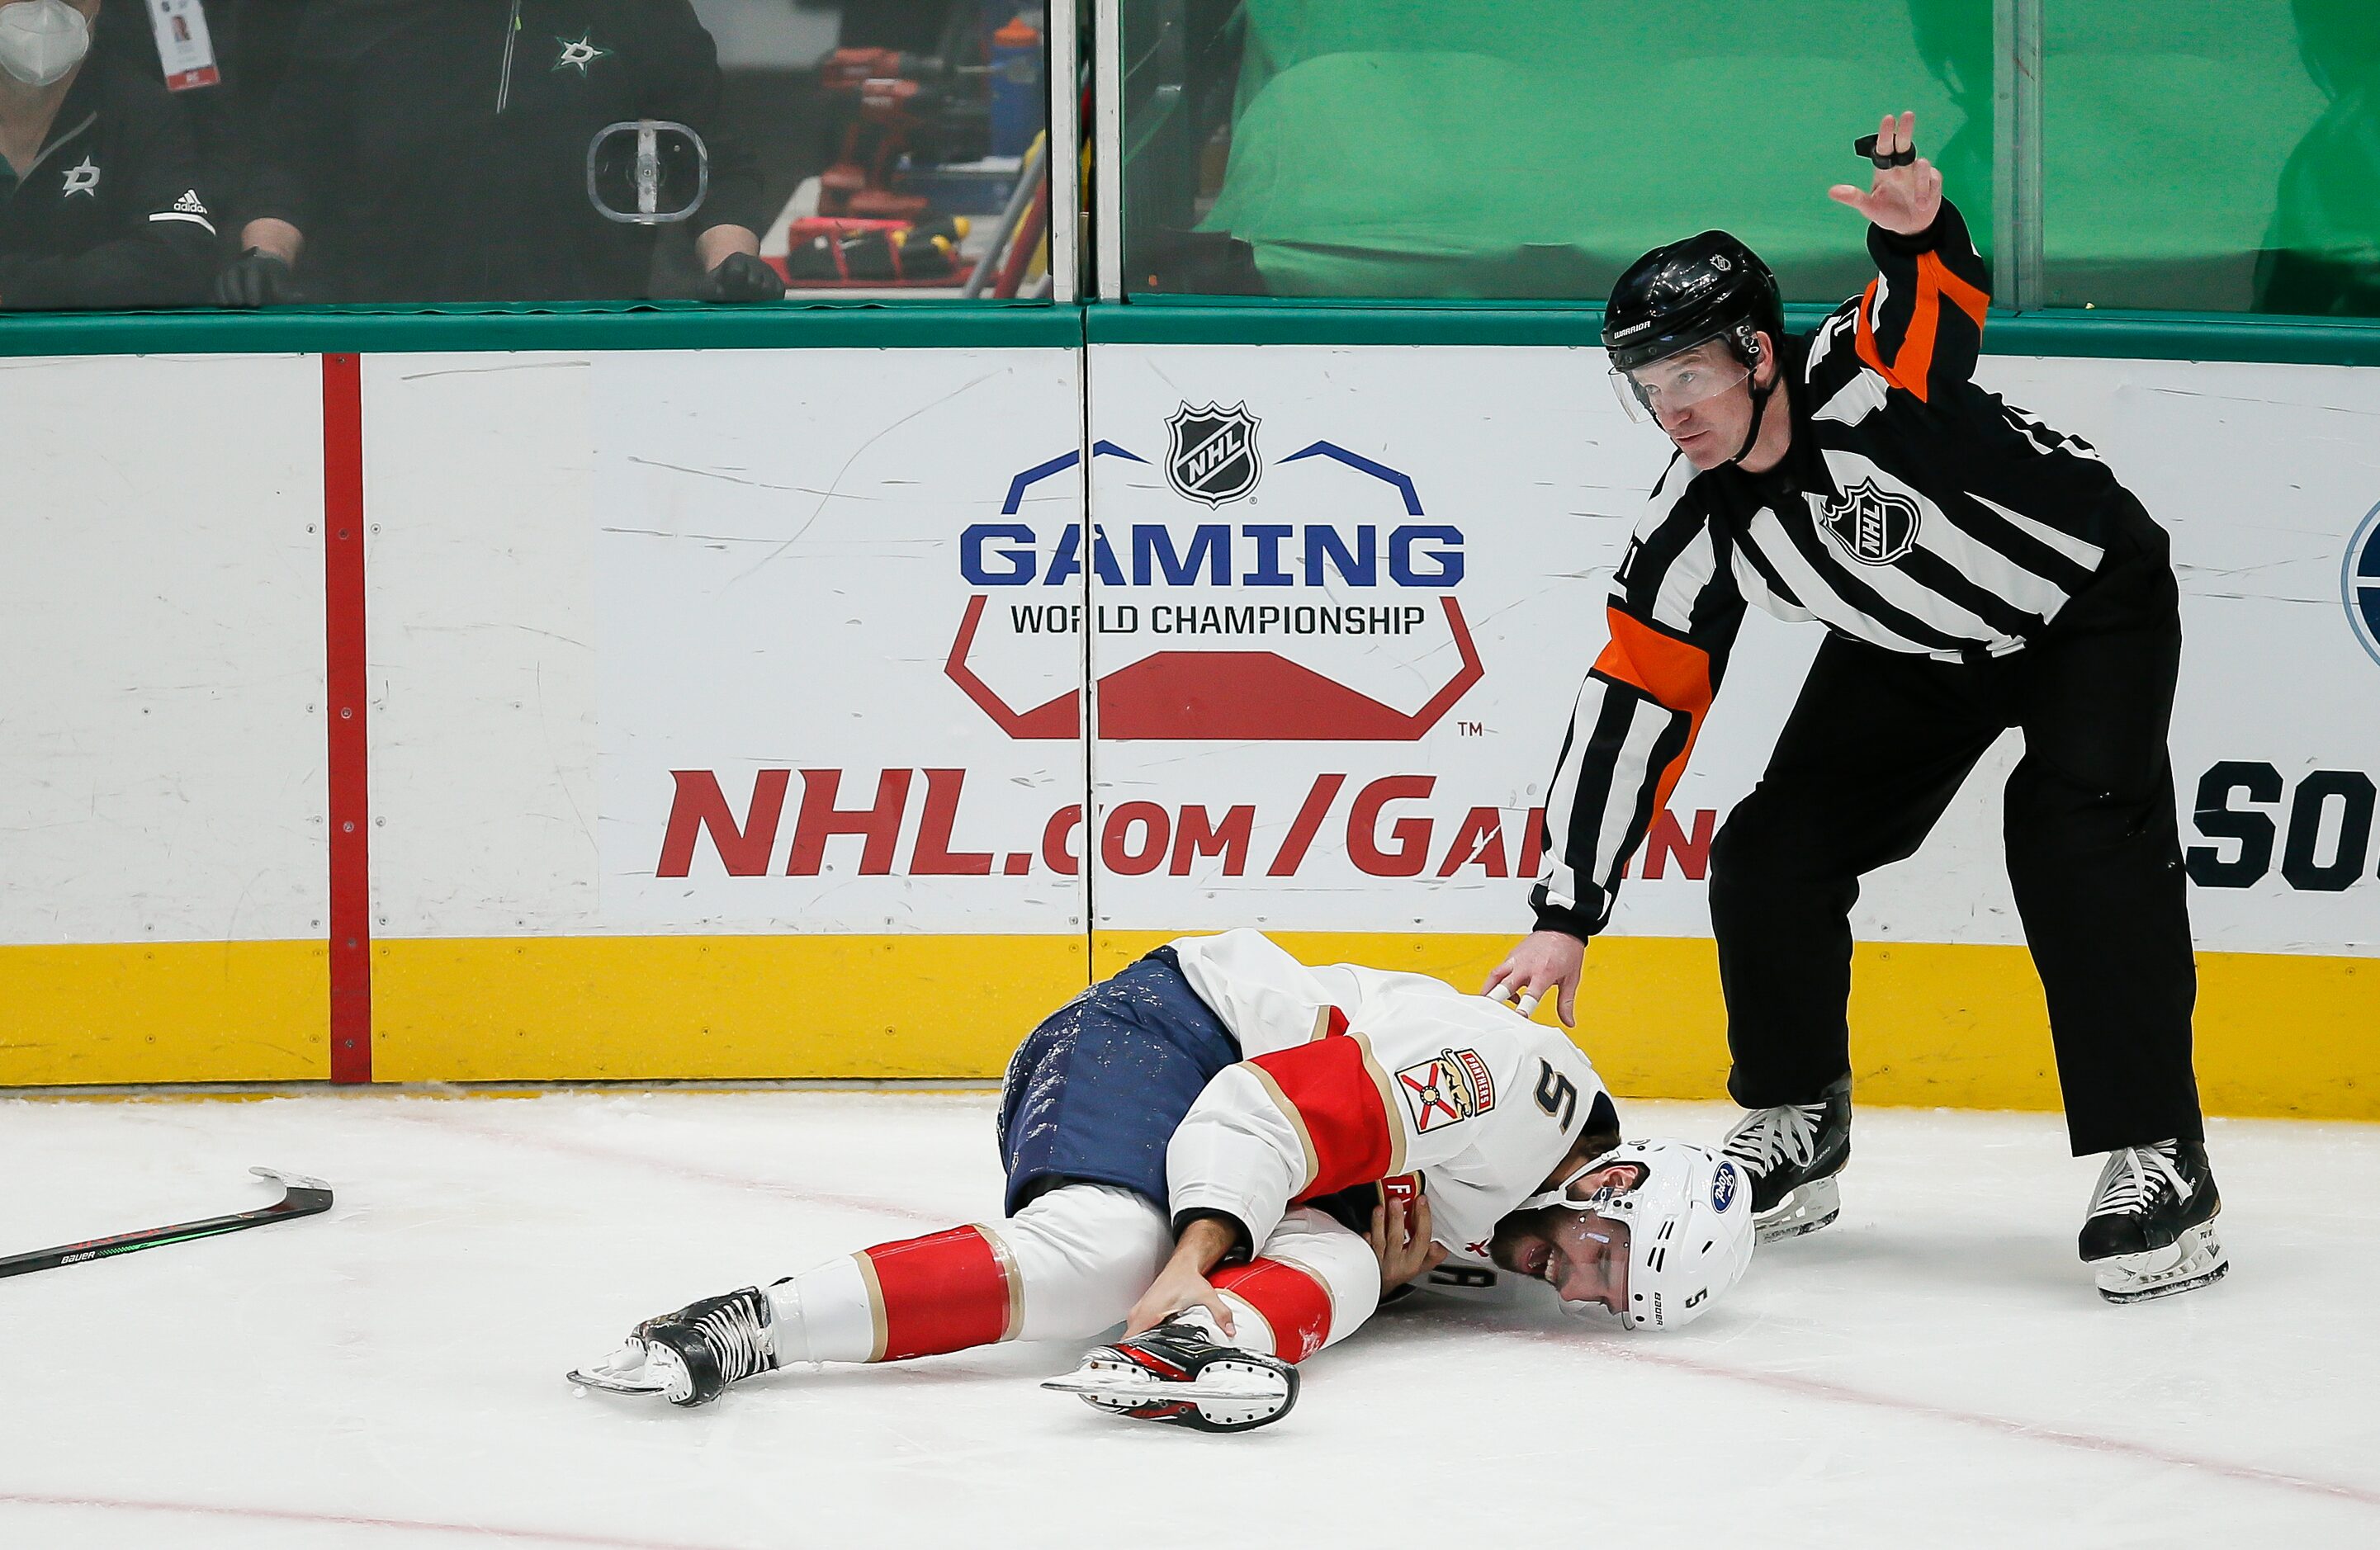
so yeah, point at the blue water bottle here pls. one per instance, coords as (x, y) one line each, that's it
(1016, 105)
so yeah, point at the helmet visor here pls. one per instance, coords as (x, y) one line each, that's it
(1660, 390)
(1589, 1246)
(1587, 1266)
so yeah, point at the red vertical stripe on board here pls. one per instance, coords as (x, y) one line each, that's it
(343, 557)
(945, 1291)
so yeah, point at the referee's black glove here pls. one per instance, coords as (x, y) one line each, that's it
(743, 277)
(256, 279)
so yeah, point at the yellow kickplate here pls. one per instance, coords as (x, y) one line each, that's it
(164, 1011)
(624, 1008)
(2296, 1037)
(1933, 1024)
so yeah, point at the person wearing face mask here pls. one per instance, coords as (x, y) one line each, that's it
(1238, 1158)
(101, 203)
(432, 150)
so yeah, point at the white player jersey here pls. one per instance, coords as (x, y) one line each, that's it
(1352, 1075)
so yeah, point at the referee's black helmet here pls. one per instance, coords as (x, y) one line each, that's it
(1678, 296)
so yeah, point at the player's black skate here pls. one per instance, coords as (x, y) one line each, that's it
(1792, 1153)
(2151, 1231)
(1181, 1375)
(689, 1357)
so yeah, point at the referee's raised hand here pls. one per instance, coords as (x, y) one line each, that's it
(1903, 197)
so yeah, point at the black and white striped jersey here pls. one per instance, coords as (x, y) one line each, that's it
(1916, 512)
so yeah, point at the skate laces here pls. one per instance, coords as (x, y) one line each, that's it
(1771, 1136)
(743, 1343)
(2134, 1177)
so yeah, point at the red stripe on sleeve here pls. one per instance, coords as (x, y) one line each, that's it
(1292, 1300)
(1863, 337)
(1339, 1101)
(1675, 673)
(1970, 299)
(945, 1291)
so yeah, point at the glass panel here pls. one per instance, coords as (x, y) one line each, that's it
(170, 153)
(1524, 148)
(2220, 156)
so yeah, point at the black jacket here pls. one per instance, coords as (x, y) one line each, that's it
(436, 150)
(113, 213)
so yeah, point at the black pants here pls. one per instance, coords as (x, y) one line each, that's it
(1875, 749)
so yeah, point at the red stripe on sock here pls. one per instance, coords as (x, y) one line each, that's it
(1293, 1302)
(944, 1291)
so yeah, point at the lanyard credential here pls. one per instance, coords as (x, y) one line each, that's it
(183, 45)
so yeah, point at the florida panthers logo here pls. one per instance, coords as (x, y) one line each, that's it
(1447, 1091)
(1874, 526)
(1213, 455)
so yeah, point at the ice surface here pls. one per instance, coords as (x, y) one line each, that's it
(1932, 1370)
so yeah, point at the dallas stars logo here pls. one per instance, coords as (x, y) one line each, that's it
(83, 179)
(578, 55)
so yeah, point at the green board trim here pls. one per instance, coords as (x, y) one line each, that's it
(2094, 335)
(951, 324)
(660, 325)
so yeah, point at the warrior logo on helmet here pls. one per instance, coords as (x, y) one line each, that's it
(1213, 455)
(1874, 526)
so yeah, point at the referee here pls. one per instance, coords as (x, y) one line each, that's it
(1976, 571)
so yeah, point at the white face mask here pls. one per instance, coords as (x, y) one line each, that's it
(42, 40)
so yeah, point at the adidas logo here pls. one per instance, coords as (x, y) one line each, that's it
(190, 204)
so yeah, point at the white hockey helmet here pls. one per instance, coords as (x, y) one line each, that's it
(1689, 1227)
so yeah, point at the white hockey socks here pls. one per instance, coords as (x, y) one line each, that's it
(1068, 1266)
(1312, 1285)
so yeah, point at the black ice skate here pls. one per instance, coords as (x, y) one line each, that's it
(689, 1357)
(2151, 1231)
(1792, 1153)
(1180, 1374)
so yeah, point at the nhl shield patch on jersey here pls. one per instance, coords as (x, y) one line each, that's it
(1213, 457)
(1875, 526)
(1448, 1090)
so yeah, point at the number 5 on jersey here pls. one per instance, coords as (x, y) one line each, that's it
(1557, 1094)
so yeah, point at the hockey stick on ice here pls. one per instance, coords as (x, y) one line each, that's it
(306, 1197)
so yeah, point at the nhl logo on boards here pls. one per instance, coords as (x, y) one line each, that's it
(1874, 526)
(1448, 1090)
(2360, 583)
(1213, 453)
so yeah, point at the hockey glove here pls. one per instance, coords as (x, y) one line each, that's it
(256, 279)
(743, 277)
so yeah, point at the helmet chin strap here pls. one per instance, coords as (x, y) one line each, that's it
(1759, 407)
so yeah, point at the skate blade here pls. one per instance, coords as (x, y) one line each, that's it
(1805, 1210)
(1227, 1396)
(1092, 1387)
(625, 1371)
(2193, 1260)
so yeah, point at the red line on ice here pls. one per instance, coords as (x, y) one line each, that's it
(1818, 1388)
(683, 1170)
(294, 1515)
